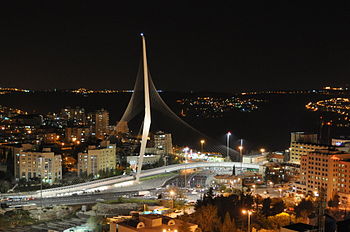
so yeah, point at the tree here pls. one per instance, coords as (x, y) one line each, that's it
(229, 224)
(280, 220)
(258, 201)
(206, 217)
(304, 209)
(266, 207)
(4, 186)
(260, 221)
(234, 170)
(334, 202)
(207, 199)
(247, 200)
(277, 207)
(161, 162)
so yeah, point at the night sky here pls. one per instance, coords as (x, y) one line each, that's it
(221, 46)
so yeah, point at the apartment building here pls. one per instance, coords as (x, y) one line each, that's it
(43, 164)
(326, 170)
(97, 159)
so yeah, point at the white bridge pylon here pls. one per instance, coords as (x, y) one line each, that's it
(145, 96)
(147, 118)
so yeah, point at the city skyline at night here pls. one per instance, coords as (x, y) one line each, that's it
(174, 117)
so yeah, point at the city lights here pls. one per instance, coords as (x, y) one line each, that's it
(243, 138)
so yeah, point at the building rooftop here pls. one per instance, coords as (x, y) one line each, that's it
(151, 216)
(315, 144)
(276, 156)
(328, 152)
(166, 223)
(300, 227)
(130, 222)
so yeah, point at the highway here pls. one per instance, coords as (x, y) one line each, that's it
(118, 182)
(73, 200)
(86, 198)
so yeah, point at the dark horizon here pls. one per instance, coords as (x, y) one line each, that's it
(344, 91)
(223, 47)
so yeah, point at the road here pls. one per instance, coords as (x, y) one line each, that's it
(87, 198)
(79, 199)
(113, 183)
(73, 200)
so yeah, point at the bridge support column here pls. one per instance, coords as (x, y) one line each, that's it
(147, 118)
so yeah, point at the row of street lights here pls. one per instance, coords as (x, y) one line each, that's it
(240, 147)
(248, 213)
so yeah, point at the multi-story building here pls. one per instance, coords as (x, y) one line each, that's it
(276, 157)
(147, 159)
(50, 137)
(299, 149)
(96, 160)
(302, 137)
(45, 165)
(301, 144)
(7, 154)
(163, 143)
(75, 115)
(27, 120)
(77, 133)
(150, 223)
(328, 171)
(101, 123)
(255, 159)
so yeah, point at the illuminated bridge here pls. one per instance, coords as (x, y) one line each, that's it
(116, 183)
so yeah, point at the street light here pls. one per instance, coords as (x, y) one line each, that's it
(241, 154)
(186, 149)
(248, 213)
(228, 144)
(262, 150)
(202, 144)
(172, 194)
